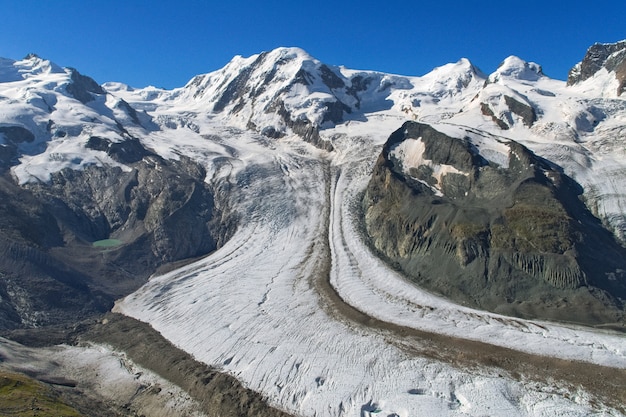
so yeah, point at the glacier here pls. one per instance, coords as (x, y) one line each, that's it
(296, 305)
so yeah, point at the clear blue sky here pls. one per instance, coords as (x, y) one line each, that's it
(165, 43)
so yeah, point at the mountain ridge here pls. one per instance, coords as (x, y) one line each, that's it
(219, 213)
(76, 124)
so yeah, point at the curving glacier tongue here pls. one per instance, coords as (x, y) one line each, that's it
(262, 307)
(297, 306)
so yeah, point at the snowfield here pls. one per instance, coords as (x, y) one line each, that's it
(273, 306)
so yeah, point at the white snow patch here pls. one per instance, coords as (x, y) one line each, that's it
(411, 153)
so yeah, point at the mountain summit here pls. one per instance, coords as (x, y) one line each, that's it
(602, 60)
(287, 90)
(275, 91)
(517, 68)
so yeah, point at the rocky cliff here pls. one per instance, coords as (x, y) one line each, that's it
(610, 57)
(94, 212)
(506, 233)
(71, 246)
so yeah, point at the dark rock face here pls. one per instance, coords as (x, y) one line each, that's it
(486, 110)
(331, 79)
(525, 111)
(10, 138)
(35, 286)
(127, 151)
(513, 240)
(159, 212)
(611, 56)
(82, 87)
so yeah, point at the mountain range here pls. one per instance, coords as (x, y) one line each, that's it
(206, 210)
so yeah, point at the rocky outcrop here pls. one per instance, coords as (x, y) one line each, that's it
(505, 111)
(301, 127)
(153, 214)
(126, 151)
(510, 237)
(10, 138)
(525, 111)
(486, 110)
(82, 88)
(609, 56)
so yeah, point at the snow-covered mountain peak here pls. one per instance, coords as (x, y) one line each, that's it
(274, 92)
(516, 68)
(289, 54)
(37, 74)
(463, 65)
(31, 66)
(279, 65)
(286, 90)
(452, 78)
(279, 56)
(51, 115)
(37, 63)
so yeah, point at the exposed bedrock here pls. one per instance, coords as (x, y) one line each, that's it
(512, 239)
(608, 56)
(82, 88)
(153, 214)
(10, 138)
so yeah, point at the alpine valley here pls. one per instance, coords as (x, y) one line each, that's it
(287, 237)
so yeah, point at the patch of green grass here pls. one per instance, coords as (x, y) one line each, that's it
(25, 397)
(107, 243)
